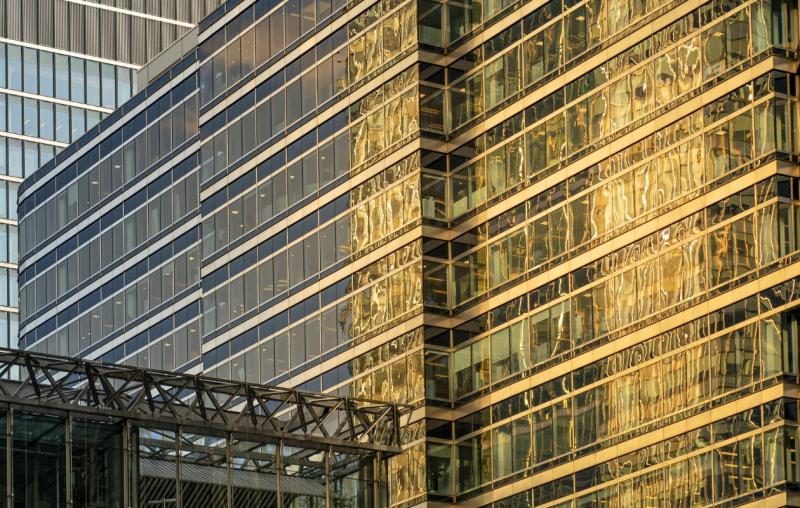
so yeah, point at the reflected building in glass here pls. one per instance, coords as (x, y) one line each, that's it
(566, 232)
(64, 66)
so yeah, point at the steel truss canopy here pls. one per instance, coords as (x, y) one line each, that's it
(158, 399)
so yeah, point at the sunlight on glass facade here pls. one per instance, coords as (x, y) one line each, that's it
(566, 232)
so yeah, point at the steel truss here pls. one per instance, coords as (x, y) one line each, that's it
(158, 399)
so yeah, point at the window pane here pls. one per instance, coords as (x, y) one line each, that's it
(76, 79)
(30, 75)
(93, 82)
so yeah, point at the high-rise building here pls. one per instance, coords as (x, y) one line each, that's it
(567, 232)
(64, 66)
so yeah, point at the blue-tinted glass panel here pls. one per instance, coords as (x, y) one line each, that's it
(14, 67)
(76, 75)
(62, 77)
(30, 75)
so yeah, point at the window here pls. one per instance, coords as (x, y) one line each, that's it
(76, 76)
(14, 67)
(78, 123)
(30, 75)
(46, 120)
(108, 86)
(62, 77)
(3, 63)
(125, 84)
(15, 115)
(31, 118)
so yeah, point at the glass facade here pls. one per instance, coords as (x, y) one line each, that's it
(52, 91)
(118, 448)
(567, 231)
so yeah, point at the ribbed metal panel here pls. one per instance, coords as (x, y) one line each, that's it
(14, 26)
(169, 10)
(76, 28)
(136, 40)
(150, 7)
(92, 31)
(137, 5)
(30, 21)
(108, 22)
(182, 10)
(123, 37)
(3, 21)
(169, 34)
(45, 35)
(96, 31)
(61, 30)
(153, 31)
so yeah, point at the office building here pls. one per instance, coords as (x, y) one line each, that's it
(64, 66)
(566, 232)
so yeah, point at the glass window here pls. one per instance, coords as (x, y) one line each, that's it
(262, 41)
(297, 342)
(3, 63)
(294, 104)
(308, 15)
(62, 128)
(31, 159)
(280, 272)
(219, 65)
(30, 66)
(78, 123)
(281, 353)
(714, 51)
(292, 21)
(14, 67)
(126, 83)
(325, 82)
(278, 109)
(206, 80)
(267, 357)
(234, 58)
(502, 451)
(62, 77)
(501, 355)
(31, 118)
(15, 116)
(310, 184)
(248, 133)
(276, 31)
(295, 254)
(109, 86)
(295, 182)
(327, 245)
(76, 74)
(40, 450)
(279, 191)
(309, 87)
(15, 158)
(46, 120)
(310, 255)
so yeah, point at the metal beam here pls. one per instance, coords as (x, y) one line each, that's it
(166, 400)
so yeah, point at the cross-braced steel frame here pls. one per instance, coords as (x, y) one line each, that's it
(295, 418)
